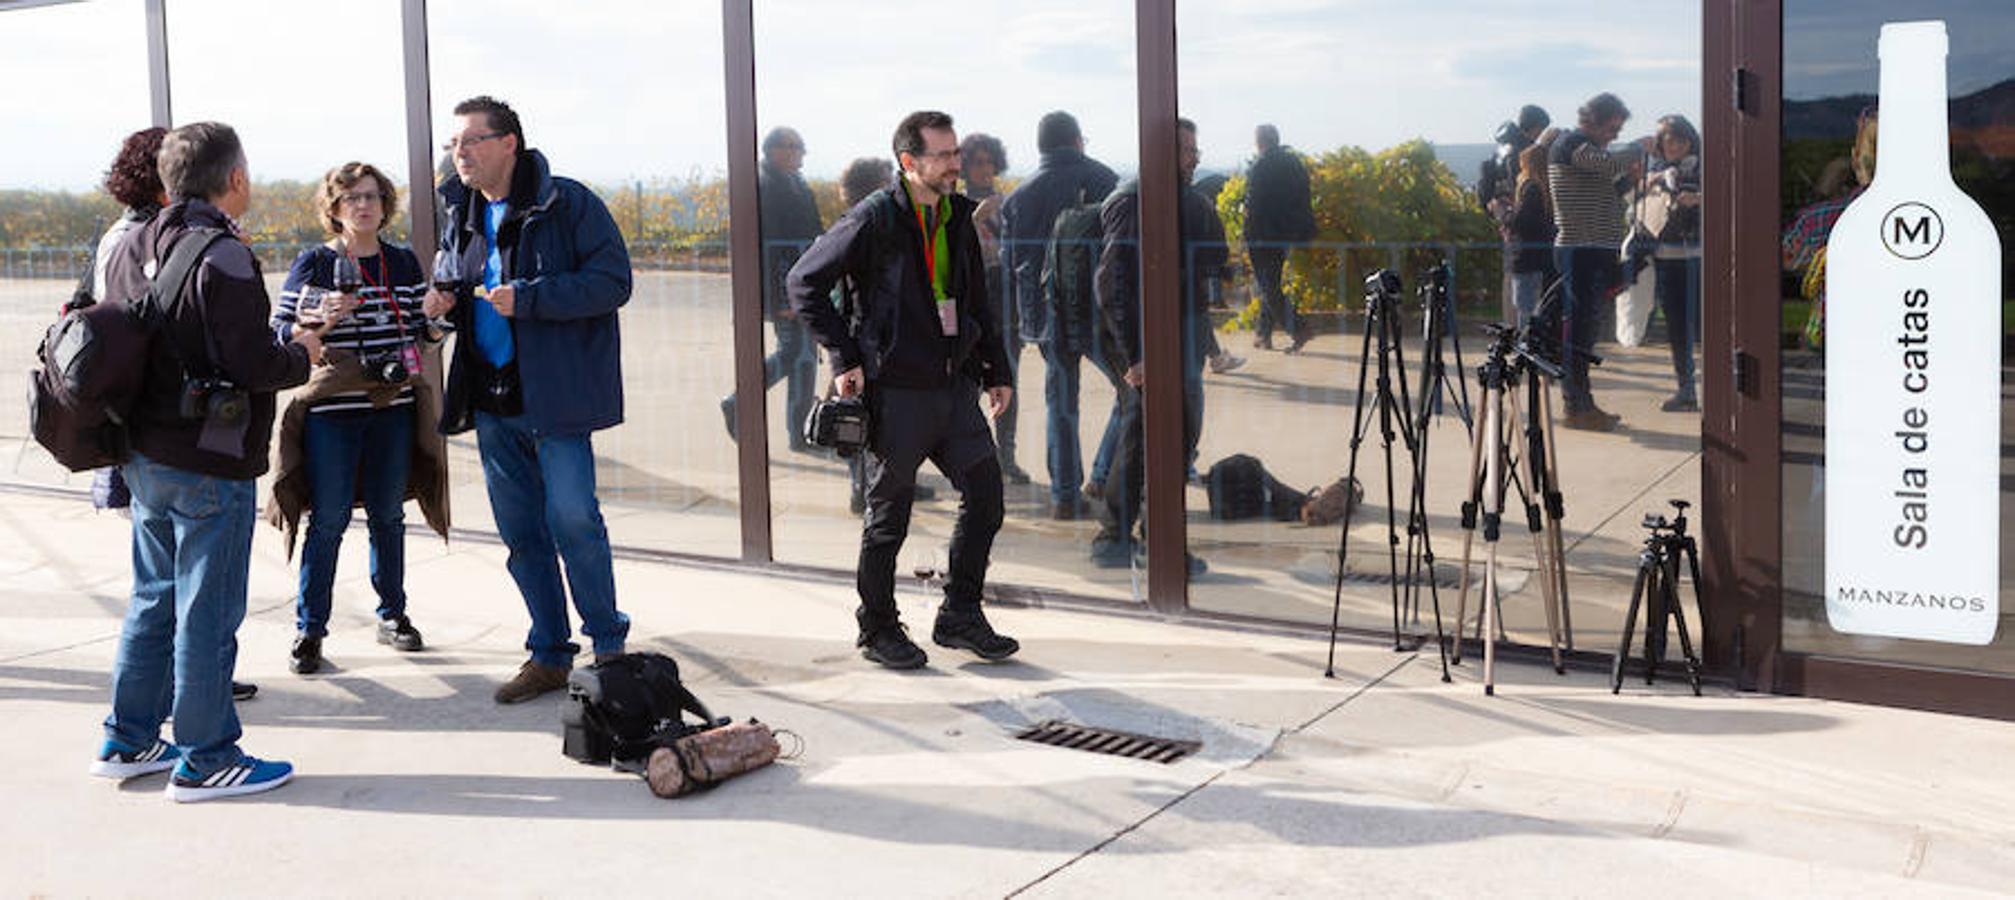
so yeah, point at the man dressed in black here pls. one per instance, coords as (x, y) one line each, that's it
(918, 338)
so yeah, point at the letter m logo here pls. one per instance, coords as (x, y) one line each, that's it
(1908, 232)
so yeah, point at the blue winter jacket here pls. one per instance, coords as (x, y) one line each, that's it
(566, 261)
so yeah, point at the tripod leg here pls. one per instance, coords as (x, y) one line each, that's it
(1357, 425)
(1679, 619)
(1538, 547)
(1493, 498)
(1654, 618)
(1386, 402)
(1469, 512)
(1644, 566)
(1556, 509)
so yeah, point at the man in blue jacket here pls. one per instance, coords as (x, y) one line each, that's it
(537, 369)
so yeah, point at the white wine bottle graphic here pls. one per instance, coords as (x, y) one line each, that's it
(1913, 377)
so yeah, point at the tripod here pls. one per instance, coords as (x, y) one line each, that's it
(1658, 580)
(1437, 322)
(1382, 321)
(1495, 467)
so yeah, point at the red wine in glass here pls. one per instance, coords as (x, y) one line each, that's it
(349, 278)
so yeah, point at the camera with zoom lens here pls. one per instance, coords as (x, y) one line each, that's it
(215, 400)
(388, 367)
(839, 424)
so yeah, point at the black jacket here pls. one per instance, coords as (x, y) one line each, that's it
(1117, 281)
(1277, 199)
(877, 247)
(790, 221)
(1531, 229)
(566, 260)
(1062, 177)
(219, 328)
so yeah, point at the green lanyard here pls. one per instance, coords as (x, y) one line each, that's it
(937, 250)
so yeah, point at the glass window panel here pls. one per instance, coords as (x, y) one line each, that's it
(1393, 116)
(1831, 78)
(814, 76)
(657, 157)
(87, 65)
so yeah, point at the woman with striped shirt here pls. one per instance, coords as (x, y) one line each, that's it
(358, 444)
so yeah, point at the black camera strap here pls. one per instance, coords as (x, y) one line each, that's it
(170, 283)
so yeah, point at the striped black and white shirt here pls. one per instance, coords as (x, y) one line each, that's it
(377, 326)
(1587, 204)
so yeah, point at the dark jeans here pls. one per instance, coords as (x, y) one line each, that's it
(192, 555)
(350, 456)
(542, 494)
(945, 426)
(1679, 303)
(1274, 306)
(795, 360)
(1124, 490)
(1004, 426)
(1589, 274)
(1061, 380)
(1108, 442)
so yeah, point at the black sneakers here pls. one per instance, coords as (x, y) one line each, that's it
(890, 646)
(970, 631)
(307, 655)
(399, 632)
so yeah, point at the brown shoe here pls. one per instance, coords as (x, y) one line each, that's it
(1591, 419)
(532, 680)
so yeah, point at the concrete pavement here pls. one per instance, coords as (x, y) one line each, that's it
(1380, 782)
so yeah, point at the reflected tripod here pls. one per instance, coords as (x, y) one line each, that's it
(1382, 291)
(1437, 322)
(1497, 464)
(1658, 580)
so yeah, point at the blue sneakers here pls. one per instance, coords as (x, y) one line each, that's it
(117, 760)
(246, 776)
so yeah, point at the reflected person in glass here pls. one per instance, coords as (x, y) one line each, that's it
(984, 158)
(790, 220)
(921, 345)
(1278, 218)
(365, 427)
(1584, 177)
(1673, 179)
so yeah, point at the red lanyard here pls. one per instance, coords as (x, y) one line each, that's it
(384, 286)
(930, 247)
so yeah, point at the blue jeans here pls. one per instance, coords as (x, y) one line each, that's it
(1108, 444)
(353, 455)
(1590, 274)
(1060, 382)
(1679, 301)
(542, 493)
(192, 552)
(1526, 290)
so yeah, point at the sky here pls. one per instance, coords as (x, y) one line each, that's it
(615, 90)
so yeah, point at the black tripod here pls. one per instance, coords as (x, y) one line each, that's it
(1437, 322)
(1382, 320)
(1658, 580)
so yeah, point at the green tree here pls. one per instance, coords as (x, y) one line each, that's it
(1402, 195)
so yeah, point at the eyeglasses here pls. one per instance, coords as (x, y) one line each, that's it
(457, 142)
(953, 153)
(361, 198)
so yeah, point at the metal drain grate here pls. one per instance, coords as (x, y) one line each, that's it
(1072, 736)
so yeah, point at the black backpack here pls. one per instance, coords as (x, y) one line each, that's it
(94, 362)
(1070, 259)
(1240, 488)
(620, 710)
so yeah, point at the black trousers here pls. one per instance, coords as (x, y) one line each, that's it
(945, 426)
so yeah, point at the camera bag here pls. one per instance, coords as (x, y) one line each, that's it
(839, 424)
(1240, 488)
(620, 710)
(94, 360)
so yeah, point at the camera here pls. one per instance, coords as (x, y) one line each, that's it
(387, 367)
(839, 424)
(1383, 283)
(214, 400)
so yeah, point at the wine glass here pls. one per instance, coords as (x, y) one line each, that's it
(309, 309)
(447, 271)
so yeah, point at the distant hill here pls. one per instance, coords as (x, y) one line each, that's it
(1833, 118)
(1465, 160)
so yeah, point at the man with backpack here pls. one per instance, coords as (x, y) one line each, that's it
(1120, 312)
(920, 342)
(1057, 209)
(200, 429)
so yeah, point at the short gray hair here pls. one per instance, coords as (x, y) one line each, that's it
(197, 159)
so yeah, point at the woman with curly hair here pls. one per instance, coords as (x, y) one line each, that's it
(135, 181)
